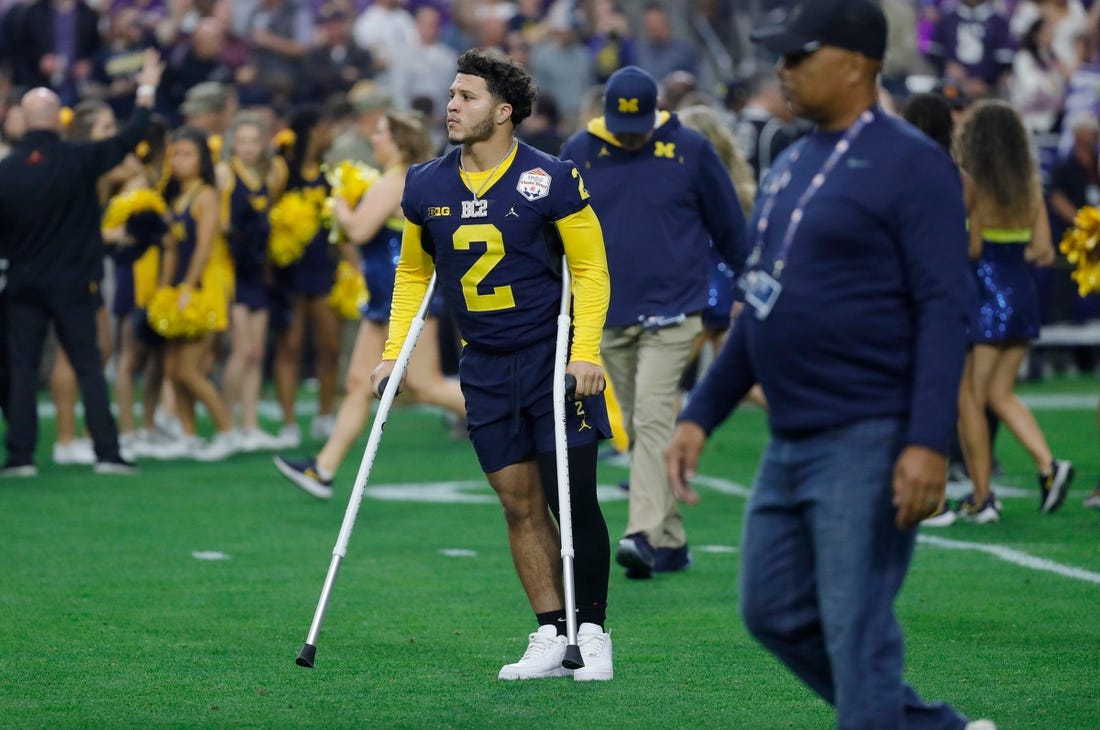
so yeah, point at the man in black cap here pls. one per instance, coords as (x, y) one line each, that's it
(856, 329)
(663, 196)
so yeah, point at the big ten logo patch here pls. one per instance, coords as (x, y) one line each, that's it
(438, 211)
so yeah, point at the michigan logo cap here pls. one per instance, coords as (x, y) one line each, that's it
(630, 101)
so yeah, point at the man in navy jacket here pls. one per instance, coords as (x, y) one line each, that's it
(662, 195)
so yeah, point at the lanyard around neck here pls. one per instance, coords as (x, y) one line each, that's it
(780, 181)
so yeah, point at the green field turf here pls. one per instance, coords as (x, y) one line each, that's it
(109, 619)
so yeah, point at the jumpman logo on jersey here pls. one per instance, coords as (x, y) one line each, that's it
(512, 212)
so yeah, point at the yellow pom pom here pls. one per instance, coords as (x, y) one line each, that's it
(294, 222)
(66, 116)
(124, 205)
(214, 143)
(142, 150)
(284, 139)
(196, 318)
(349, 293)
(1081, 246)
(349, 181)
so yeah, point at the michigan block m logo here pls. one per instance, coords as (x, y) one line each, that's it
(628, 106)
(664, 149)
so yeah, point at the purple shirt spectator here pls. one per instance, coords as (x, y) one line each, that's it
(971, 43)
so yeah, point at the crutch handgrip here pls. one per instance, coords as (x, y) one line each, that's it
(383, 384)
(570, 387)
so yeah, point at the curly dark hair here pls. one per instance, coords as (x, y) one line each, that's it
(507, 80)
(992, 145)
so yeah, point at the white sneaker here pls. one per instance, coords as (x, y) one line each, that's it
(170, 425)
(22, 471)
(545, 651)
(981, 725)
(78, 451)
(256, 439)
(222, 446)
(322, 427)
(290, 436)
(595, 645)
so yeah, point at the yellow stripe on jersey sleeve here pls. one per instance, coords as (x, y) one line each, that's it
(414, 272)
(584, 251)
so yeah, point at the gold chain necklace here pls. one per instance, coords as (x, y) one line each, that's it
(480, 190)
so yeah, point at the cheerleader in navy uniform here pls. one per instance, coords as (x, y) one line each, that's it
(201, 269)
(306, 284)
(376, 225)
(134, 248)
(1009, 232)
(249, 180)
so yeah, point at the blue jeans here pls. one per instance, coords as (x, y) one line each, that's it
(822, 562)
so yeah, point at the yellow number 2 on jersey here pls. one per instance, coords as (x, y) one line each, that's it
(501, 296)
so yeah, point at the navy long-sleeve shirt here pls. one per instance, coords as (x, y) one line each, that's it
(660, 207)
(872, 318)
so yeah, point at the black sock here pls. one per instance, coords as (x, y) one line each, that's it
(553, 618)
(594, 614)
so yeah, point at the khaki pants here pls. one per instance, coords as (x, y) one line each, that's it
(645, 369)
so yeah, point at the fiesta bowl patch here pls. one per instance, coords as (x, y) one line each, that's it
(534, 184)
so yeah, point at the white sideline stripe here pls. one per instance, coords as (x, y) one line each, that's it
(1016, 557)
(1009, 555)
(270, 410)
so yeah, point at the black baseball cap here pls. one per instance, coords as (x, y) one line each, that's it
(855, 25)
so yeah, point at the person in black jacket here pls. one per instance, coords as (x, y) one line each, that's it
(49, 233)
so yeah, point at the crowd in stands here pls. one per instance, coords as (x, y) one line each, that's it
(353, 61)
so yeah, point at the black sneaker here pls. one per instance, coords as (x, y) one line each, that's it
(671, 560)
(636, 555)
(1053, 486)
(115, 467)
(989, 510)
(304, 474)
(944, 517)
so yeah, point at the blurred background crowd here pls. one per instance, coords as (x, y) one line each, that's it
(358, 59)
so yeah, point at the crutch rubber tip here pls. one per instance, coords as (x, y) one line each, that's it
(570, 391)
(307, 655)
(572, 658)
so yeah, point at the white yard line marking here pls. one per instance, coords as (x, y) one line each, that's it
(1016, 557)
(209, 555)
(1009, 555)
(458, 553)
